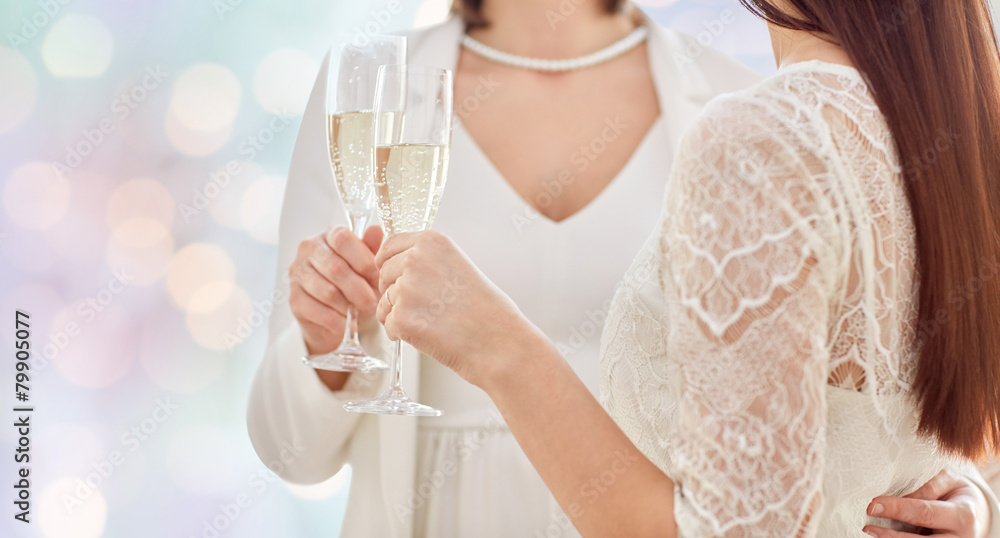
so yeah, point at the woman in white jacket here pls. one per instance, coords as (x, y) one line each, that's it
(596, 145)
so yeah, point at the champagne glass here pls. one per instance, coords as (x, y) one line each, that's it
(413, 117)
(350, 117)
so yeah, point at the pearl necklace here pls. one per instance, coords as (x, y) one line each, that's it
(626, 44)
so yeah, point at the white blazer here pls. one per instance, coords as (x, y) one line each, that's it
(297, 426)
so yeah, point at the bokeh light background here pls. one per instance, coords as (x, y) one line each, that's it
(147, 266)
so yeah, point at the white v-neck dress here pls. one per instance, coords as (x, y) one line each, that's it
(562, 276)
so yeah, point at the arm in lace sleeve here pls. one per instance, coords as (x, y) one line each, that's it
(751, 255)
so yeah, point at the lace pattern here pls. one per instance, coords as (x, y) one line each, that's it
(762, 347)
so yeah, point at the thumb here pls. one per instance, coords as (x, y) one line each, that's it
(373, 238)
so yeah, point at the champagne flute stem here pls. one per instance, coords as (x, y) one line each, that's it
(351, 328)
(359, 224)
(396, 382)
(351, 323)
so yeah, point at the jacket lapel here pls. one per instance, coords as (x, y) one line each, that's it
(681, 95)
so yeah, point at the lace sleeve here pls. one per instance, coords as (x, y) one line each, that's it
(750, 263)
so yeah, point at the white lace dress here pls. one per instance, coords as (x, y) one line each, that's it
(762, 348)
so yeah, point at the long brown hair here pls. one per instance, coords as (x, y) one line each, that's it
(471, 11)
(934, 69)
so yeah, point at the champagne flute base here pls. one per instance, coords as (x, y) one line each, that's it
(393, 402)
(346, 359)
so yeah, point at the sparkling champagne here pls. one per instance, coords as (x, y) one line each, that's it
(409, 181)
(352, 141)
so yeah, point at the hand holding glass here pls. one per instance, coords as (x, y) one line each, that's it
(351, 139)
(413, 107)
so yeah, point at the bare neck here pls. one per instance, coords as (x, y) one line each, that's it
(551, 28)
(794, 46)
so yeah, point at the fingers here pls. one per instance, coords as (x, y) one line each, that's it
(389, 325)
(398, 250)
(373, 238)
(385, 313)
(317, 256)
(354, 251)
(391, 271)
(383, 308)
(311, 311)
(382, 314)
(321, 289)
(938, 487)
(339, 274)
(920, 513)
(395, 244)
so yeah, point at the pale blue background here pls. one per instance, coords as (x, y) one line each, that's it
(61, 239)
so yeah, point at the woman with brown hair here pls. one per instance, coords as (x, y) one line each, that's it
(815, 321)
